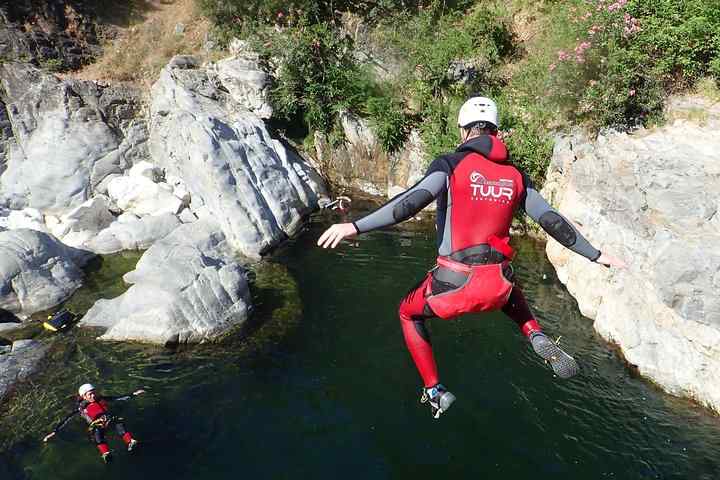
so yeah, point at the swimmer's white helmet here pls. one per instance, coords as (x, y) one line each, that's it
(478, 109)
(85, 388)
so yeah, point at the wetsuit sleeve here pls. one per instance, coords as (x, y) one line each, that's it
(65, 421)
(555, 224)
(118, 398)
(406, 204)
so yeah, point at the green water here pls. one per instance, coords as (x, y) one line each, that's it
(324, 387)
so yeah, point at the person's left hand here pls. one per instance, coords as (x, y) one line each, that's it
(332, 236)
(610, 261)
(138, 392)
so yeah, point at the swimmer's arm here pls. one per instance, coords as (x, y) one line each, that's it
(123, 398)
(557, 226)
(406, 204)
(399, 209)
(60, 425)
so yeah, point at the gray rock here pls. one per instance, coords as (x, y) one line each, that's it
(82, 223)
(36, 271)
(19, 363)
(230, 165)
(247, 83)
(130, 232)
(80, 132)
(186, 288)
(650, 198)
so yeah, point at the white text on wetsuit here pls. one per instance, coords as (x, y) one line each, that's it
(483, 189)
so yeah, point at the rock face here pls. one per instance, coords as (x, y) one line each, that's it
(36, 271)
(18, 363)
(80, 132)
(361, 163)
(233, 170)
(651, 198)
(246, 81)
(186, 288)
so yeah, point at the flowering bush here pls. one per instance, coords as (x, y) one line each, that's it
(627, 54)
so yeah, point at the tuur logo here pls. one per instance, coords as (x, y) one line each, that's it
(494, 191)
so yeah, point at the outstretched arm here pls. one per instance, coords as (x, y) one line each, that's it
(60, 425)
(123, 398)
(398, 209)
(562, 230)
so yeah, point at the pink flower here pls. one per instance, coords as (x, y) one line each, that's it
(593, 83)
(617, 5)
(580, 49)
(632, 92)
(552, 67)
(562, 55)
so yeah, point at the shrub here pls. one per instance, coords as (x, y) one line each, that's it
(389, 121)
(626, 55)
(318, 76)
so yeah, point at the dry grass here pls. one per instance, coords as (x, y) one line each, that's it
(143, 48)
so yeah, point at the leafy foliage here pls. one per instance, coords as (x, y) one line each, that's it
(594, 62)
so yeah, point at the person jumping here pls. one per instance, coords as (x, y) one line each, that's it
(477, 191)
(94, 408)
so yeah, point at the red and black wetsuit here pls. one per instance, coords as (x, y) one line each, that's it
(97, 415)
(477, 192)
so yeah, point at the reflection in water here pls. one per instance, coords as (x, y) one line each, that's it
(323, 386)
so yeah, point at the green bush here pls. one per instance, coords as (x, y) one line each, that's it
(389, 121)
(623, 57)
(318, 76)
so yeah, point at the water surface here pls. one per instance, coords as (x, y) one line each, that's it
(324, 388)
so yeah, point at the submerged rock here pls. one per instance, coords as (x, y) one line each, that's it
(651, 198)
(36, 271)
(187, 287)
(19, 363)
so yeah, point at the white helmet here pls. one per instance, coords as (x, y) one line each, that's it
(85, 388)
(478, 109)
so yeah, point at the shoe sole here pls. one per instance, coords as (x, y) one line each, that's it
(562, 364)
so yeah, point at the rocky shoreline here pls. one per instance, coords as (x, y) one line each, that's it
(649, 197)
(190, 173)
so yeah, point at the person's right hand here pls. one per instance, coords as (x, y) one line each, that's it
(48, 436)
(610, 261)
(332, 236)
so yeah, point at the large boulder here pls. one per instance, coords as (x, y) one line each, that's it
(80, 132)
(188, 287)
(244, 78)
(651, 198)
(233, 170)
(36, 271)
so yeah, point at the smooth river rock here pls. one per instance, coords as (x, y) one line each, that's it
(37, 271)
(233, 170)
(67, 136)
(651, 198)
(187, 287)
